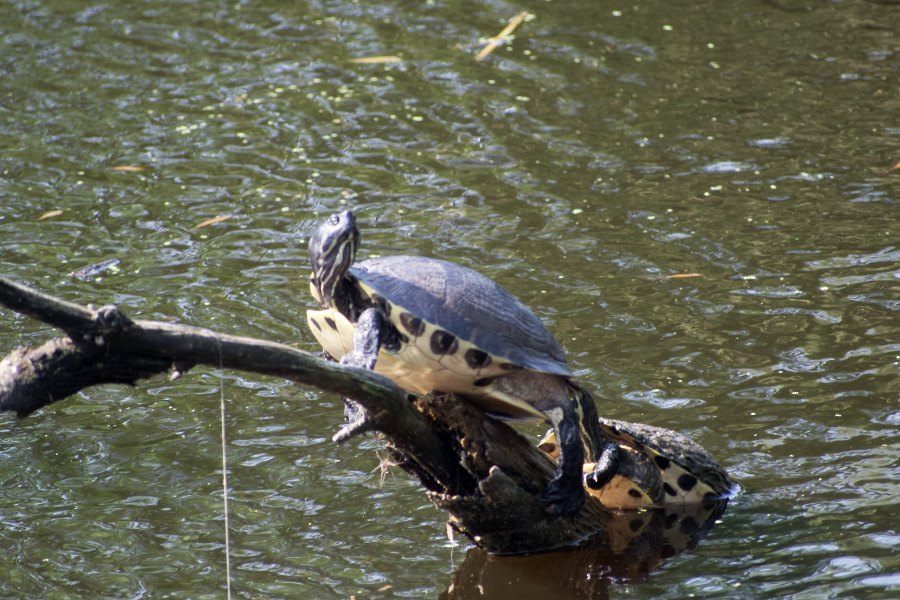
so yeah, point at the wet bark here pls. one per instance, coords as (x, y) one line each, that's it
(485, 474)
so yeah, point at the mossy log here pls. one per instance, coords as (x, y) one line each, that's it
(485, 474)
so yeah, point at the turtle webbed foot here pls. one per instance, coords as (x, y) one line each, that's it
(605, 469)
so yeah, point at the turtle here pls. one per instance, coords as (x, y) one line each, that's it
(435, 326)
(645, 466)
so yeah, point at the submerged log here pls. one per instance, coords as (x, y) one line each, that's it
(486, 475)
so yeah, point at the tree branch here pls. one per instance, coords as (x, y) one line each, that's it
(484, 473)
(105, 346)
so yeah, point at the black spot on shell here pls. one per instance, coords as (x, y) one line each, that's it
(477, 359)
(484, 381)
(549, 448)
(635, 525)
(413, 325)
(510, 367)
(404, 339)
(688, 526)
(443, 342)
(314, 322)
(710, 497)
(662, 462)
(687, 482)
(634, 493)
(330, 322)
(671, 519)
(669, 489)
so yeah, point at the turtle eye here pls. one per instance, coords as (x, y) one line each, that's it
(334, 219)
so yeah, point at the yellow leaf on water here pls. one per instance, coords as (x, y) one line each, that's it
(375, 60)
(680, 275)
(897, 166)
(52, 213)
(210, 222)
(126, 168)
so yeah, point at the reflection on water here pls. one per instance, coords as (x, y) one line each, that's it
(599, 153)
(634, 544)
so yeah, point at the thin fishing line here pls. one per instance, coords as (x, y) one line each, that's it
(224, 476)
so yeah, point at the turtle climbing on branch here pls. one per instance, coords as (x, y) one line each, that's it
(431, 325)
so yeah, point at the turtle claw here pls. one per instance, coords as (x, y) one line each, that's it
(358, 421)
(366, 342)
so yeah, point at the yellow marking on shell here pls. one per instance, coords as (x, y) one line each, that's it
(454, 362)
(616, 493)
(336, 342)
(672, 475)
(414, 368)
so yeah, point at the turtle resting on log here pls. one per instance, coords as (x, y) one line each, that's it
(645, 466)
(431, 325)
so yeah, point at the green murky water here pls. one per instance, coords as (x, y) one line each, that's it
(606, 148)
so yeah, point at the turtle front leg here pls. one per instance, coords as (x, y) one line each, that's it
(606, 468)
(564, 495)
(366, 342)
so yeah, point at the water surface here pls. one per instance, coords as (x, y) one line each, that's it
(604, 150)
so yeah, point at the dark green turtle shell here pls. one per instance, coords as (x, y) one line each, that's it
(467, 305)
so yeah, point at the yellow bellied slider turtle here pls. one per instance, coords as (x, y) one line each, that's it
(430, 325)
(642, 465)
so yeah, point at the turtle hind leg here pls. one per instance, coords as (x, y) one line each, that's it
(367, 339)
(549, 394)
(564, 495)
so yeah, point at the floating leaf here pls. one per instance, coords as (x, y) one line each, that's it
(210, 222)
(897, 166)
(127, 168)
(375, 60)
(680, 275)
(52, 213)
(496, 41)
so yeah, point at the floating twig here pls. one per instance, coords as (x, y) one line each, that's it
(218, 219)
(501, 37)
(96, 269)
(52, 213)
(375, 60)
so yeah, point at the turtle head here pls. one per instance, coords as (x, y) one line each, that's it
(332, 249)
